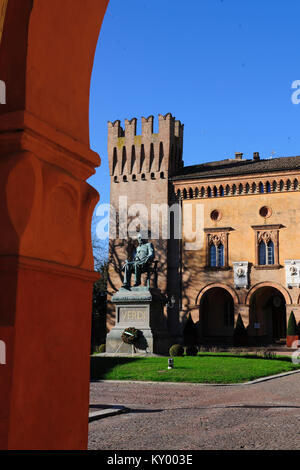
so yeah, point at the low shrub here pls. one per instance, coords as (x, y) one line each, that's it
(191, 351)
(176, 350)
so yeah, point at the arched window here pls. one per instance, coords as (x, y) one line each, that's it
(295, 184)
(268, 187)
(227, 190)
(191, 194)
(254, 187)
(234, 189)
(261, 187)
(216, 255)
(247, 188)
(202, 192)
(178, 193)
(184, 194)
(220, 255)
(241, 189)
(215, 191)
(208, 191)
(212, 256)
(262, 253)
(270, 252)
(281, 185)
(288, 185)
(196, 192)
(221, 190)
(266, 253)
(274, 185)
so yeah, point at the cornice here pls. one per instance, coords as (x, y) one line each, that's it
(22, 131)
(12, 263)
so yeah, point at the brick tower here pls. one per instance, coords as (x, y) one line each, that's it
(140, 166)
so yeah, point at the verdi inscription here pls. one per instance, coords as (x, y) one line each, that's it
(130, 314)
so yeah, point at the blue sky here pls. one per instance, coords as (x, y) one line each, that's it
(223, 67)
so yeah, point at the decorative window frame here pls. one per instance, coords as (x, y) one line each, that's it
(216, 236)
(266, 233)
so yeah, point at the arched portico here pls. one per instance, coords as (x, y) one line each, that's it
(275, 285)
(212, 285)
(46, 58)
(268, 312)
(217, 303)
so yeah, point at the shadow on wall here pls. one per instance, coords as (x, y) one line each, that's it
(169, 283)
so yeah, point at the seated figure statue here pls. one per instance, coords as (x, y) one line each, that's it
(143, 258)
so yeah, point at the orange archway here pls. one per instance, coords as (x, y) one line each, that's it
(46, 58)
(212, 285)
(282, 290)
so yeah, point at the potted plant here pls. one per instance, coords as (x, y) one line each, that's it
(240, 337)
(292, 331)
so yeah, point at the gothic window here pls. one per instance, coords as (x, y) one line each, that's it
(217, 247)
(202, 192)
(261, 187)
(191, 193)
(267, 245)
(268, 187)
(221, 190)
(208, 191)
(266, 253)
(216, 255)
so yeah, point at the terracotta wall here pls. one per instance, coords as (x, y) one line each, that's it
(46, 263)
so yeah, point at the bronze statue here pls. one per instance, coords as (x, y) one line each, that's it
(143, 257)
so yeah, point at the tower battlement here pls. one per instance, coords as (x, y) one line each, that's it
(132, 154)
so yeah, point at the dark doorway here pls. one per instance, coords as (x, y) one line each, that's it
(268, 313)
(217, 314)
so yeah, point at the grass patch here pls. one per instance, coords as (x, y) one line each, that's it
(205, 368)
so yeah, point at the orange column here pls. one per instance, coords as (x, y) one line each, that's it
(46, 263)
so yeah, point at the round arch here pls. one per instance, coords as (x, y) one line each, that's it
(46, 59)
(229, 289)
(281, 289)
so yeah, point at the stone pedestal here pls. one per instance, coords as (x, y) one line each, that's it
(142, 308)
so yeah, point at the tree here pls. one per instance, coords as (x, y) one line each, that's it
(99, 309)
(292, 329)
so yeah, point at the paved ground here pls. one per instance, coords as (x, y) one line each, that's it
(192, 417)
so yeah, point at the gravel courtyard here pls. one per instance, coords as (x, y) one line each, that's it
(195, 417)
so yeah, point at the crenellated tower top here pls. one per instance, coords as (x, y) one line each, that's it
(131, 154)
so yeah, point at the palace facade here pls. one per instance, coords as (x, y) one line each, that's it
(245, 214)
